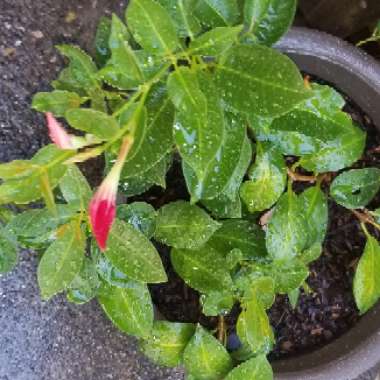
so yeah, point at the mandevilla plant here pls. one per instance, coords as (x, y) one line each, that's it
(195, 82)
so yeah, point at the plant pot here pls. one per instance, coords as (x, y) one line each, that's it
(357, 75)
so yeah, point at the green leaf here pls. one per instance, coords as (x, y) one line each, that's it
(253, 327)
(356, 188)
(181, 12)
(156, 140)
(182, 225)
(85, 284)
(133, 254)
(215, 41)
(315, 207)
(217, 303)
(102, 50)
(62, 261)
(257, 368)
(198, 129)
(223, 207)
(95, 122)
(8, 251)
(213, 13)
(17, 169)
(47, 163)
(57, 102)
(271, 81)
(122, 56)
(293, 297)
(367, 279)
(152, 27)
(240, 234)
(288, 275)
(129, 308)
(167, 343)
(376, 214)
(268, 20)
(287, 233)
(74, 186)
(267, 179)
(205, 357)
(82, 68)
(204, 269)
(225, 167)
(140, 215)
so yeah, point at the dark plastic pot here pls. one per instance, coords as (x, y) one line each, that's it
(357, 75)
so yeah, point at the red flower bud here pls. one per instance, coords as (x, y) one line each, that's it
(57, 133)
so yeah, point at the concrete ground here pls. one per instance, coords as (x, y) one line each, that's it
(54, 340)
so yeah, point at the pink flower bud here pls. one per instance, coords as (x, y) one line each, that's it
(103, 204)
(57, 133)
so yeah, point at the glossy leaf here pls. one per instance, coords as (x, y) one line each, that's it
(257, 368)
(167, 343)
(213, 13)
(102, 50)
(267, 179)
(271, 81)
(367, 280)
(85, 284)
(217, 303)
(140, 215)
(253, 327)
(240, 234)
(198, 128)
(182, 14)
(287, 233)
(356, 188)
(56, 102)
(205, 357)
(62, 261)
(225, 167)
(268, 20)
(133, 254)
(82, 68)
(74, 186)
(97, 123)
(182, 225)
(204, 269)
(8, 251)
(288, 275)
(215, 41)
(152, 27)
(129, 308)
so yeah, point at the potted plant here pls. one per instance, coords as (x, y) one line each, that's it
(253, 152)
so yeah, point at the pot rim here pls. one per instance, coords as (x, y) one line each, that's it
(357, 75)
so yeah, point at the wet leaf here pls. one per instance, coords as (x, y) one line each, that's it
(205, 357)
(367, 279)
(240, 234)
(74, 186)
(152, 27)
(62, 261)
(140, 215)
(102, 50)
(133, 254)
(8, 251)
(268, 20)
(257, 368)
(167, 343)
(253, 327)
(129, 308)
(204, 269)
(182, 225)
(95, 122)
(215, 41)
(213, 13)
(217, 303)
(287, 233)
(57, 102)
(267, 179)
(356, 188)
(271, 81)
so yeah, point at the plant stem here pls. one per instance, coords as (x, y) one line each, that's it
(366, 218)
(301, 178)
(221, 329)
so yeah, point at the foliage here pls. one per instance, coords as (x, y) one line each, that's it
(193, 82)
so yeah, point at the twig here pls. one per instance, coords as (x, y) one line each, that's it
(366, 218)
(301, 178)
(221, 329)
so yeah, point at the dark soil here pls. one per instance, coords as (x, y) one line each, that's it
(323, 314)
